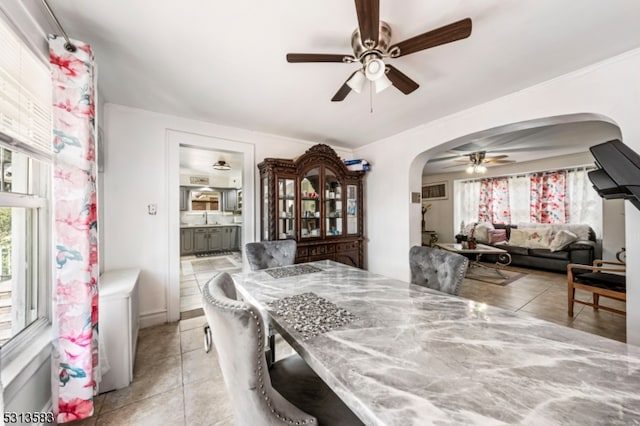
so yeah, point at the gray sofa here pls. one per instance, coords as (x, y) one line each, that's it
(581, 252)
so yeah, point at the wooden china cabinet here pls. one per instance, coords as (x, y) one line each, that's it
(316, 201)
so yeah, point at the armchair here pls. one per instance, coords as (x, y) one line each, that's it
(270, 254)
(437, 269)
(290, 393)
(604, 278)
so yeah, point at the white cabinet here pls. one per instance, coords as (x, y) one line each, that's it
(118, 323)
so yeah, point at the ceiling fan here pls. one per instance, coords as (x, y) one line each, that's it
(477, 160)
(371, 44)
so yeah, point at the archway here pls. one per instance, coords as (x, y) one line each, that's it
(507, 137)
(588, 130)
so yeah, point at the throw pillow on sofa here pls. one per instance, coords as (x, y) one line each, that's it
(481, 233)
(498, 236)
(530, 238)
(562, 239)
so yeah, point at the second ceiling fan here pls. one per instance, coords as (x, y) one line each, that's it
(371, 43)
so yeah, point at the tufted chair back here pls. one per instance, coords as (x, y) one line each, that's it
(437, 269)
(238, 334)
(270, 254)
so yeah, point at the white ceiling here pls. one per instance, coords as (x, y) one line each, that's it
(197, 161)
(224, 62)
(519, 145)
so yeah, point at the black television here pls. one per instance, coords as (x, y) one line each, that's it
(618, 173)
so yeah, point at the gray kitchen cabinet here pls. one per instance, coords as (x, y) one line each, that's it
(215, 239)
(200, 240)
(207, 239)
(184, 198)
(230, 200)
(227, 238)
(186, 242)
(235, 244)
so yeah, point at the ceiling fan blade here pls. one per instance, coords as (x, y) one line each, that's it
(501, 161)
(457, 165)
(496, 157)
(447, 34)
(400, 80)
(368, 21)
(445, 158)
(318, 57)
(343, 91)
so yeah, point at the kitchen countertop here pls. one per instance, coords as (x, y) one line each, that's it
(210, 225)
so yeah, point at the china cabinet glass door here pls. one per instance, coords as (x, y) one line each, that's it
(310, 204)
(352, 209)
(286, 209)
(332, 204)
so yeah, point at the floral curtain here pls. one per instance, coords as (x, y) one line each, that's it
(548, 197)
(494, 201)
(75, 367)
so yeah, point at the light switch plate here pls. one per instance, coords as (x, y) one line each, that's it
(415, 197)
(153, 209)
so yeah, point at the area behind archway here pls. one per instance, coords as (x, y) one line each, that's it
(535, 145)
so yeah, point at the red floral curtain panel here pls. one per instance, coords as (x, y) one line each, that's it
(494, 201)
(548, 197)
(75, 369)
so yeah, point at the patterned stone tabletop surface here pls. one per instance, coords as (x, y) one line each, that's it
(415, 356)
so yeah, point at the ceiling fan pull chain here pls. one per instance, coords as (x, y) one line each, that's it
(370, 97)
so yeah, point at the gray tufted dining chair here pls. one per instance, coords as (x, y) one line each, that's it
(260, 396)
(270, 254)
(437, 269)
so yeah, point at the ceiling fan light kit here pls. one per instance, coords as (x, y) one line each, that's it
(374, 69)
(221, 165)
(382, 83)
(356, 82)
(476, 168)
(371, 43)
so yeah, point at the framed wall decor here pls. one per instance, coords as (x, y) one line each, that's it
(199, 180)
(435, 191)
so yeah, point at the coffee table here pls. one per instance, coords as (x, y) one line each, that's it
(504, 258)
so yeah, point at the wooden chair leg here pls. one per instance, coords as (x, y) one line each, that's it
(596, 301)
(572, 294)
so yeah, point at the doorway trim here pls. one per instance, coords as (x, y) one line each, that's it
(174, 139)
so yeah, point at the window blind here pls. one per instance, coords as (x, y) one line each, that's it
(25, 93)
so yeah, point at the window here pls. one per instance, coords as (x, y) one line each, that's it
(25, 128)
(581, 203)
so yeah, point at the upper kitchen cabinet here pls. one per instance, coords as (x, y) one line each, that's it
(184, 198)
(315, 200)
(232, 200)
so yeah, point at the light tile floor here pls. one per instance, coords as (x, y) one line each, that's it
(195, 272)
(177, 383)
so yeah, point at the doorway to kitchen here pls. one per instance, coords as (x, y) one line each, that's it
(212, 179)
(211, 199)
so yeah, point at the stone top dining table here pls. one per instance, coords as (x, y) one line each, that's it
(408, 355)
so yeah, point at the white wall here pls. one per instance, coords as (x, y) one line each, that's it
(610, 88)
(613, 231)
(138, 160)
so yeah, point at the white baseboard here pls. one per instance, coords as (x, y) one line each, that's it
(150, 319)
